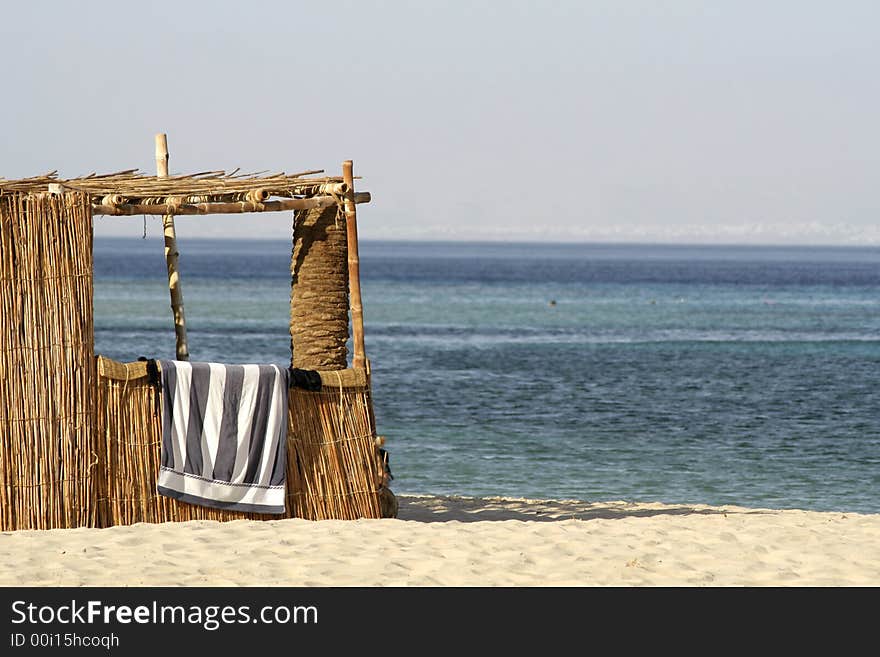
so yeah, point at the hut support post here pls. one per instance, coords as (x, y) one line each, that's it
(171, 256)
(359, 359)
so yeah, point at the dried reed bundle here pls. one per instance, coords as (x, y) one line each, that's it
(48, 458)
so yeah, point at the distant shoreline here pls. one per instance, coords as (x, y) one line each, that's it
(873, 249)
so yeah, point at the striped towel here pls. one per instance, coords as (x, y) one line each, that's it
(224, 435)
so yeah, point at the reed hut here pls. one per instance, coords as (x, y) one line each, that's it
(80, 433)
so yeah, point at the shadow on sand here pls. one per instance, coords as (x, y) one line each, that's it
(473, 509)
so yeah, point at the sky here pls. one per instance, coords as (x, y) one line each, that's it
(575, 121)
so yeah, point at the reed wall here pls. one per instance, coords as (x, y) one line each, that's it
(48, 456)
(333, 467)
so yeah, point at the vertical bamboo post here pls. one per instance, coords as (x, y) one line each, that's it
(359, 360)
(171, 255)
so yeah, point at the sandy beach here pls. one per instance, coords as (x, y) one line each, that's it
(460, 541)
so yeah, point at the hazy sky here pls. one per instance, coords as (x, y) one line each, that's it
(648, 121)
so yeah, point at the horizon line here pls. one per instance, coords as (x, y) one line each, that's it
(515, 242)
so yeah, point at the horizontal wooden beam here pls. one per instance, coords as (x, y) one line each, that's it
(237, 207)
(331, 379)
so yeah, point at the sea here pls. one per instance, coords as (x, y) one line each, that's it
(722, 375)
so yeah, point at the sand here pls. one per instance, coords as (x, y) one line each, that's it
(459, 541)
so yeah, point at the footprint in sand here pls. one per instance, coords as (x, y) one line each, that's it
(171, 547)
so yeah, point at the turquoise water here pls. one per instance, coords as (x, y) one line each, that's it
(718, 375)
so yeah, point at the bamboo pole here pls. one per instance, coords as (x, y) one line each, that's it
(237, 207)
(171, 255)
(359, 360)
(261, 194)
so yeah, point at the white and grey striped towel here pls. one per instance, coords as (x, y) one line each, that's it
(224, 435)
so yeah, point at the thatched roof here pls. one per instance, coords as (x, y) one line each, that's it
(206, 192)
(137, 185)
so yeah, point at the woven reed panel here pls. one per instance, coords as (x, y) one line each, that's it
(48, 459)
(332, 466)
